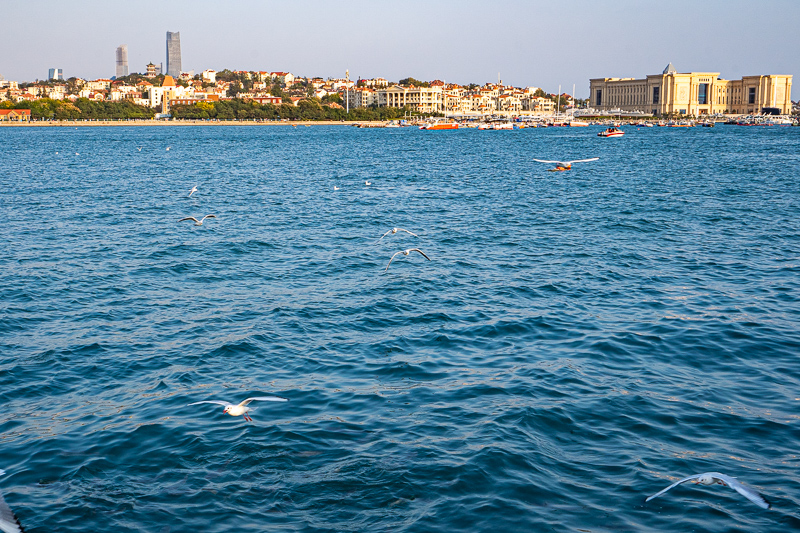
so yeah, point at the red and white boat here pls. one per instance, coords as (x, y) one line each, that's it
(611, 132)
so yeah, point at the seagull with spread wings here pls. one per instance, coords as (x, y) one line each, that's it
(406, 252)
(712, 478)
(395, 230)
(198, 222)
(242, 409)
(566, 165)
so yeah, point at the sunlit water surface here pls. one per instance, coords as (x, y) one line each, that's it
(578, 341)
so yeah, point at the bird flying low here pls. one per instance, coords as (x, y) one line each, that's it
(242, 409)
(198, 222)
(566, 165)
(406, 252)
(8, 522)
(194, 190)
(711, 478)
(393, 231)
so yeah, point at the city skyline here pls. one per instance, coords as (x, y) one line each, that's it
(527, 43)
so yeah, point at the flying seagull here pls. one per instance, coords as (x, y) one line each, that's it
(139, 148)
(8, 522)
(406, 252)
(710, 478)
(367, 183)
(242, 409)
(335, 188)
(393, 231)
(566, 165)
(168, 147)
(198, 222)
(194, 190)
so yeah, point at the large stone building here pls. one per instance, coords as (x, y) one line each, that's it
(693, 93)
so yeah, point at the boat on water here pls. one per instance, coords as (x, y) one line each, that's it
(578, 124)
(611, 132)
(440, 126)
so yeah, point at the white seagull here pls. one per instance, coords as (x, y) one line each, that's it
(393, 231)
(406, 252)
(198, 222)
(242, 409)
(710, 478)
(139, 148)
(367, 183)
(566, 165)
(194, 190)
(335, 188)
(168, 147)
(8, 522)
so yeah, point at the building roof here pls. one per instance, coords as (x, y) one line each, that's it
(670, 69)
(169, 81)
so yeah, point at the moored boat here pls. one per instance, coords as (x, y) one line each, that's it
(440, 126)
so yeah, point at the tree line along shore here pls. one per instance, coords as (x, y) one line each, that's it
(236, 109)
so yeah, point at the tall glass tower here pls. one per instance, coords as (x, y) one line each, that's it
(122, 60)
(174, 54)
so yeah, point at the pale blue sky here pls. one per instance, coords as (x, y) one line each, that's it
(531, 42)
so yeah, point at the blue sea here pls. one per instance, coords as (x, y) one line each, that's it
(578, 340)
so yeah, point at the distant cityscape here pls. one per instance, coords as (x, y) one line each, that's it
(667, 94)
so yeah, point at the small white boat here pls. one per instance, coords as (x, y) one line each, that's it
(611, 132)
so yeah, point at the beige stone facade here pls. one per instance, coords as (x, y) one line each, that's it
(693, 93)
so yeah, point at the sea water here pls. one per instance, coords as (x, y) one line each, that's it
(578, 340)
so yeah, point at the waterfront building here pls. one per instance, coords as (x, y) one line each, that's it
(15, 115)
(55, 74)
(692, 93)
(420, 99)
(174, 54)
(122, 61)
(209, 76)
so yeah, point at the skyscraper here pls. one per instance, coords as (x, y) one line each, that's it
(55, 74)
(174, 54)
(122, 60)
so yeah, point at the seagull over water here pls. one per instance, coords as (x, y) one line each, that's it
(406, 252)
(8, 522)
(198, 222)
(194, 190)
(393, 231)
(711, 478)
(367, 183)
(242, 409)
(566, 165)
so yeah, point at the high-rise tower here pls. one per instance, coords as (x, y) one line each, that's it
(174, 54)
(122, 60)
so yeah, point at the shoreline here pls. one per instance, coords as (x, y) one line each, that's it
(96, 123)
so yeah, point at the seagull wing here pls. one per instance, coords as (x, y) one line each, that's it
(188, 218)
(581, 160)
(209, 216)
(544, 161)
(392, 259)
(264, 399)
(8, 522)
(414, 234)
(747, 492)
(420, 251)
(684, 480)
(218, 402)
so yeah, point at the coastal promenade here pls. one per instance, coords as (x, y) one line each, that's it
(81, 123)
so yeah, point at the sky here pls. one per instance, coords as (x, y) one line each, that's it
(521, 42)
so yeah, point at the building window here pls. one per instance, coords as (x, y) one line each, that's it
(751, 98)
(599, 97)
(702, 93)
(656, 94)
